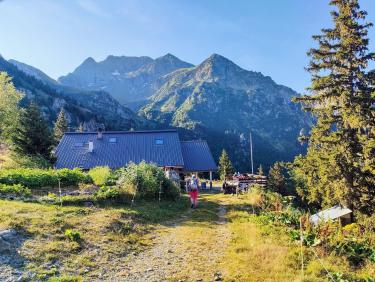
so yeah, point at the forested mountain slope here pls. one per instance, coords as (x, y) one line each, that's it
(88, 107)
(222, 102)
(215, 100)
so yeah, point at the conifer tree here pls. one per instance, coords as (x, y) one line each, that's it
(61, 126)
(32, 137)
(340, 163)
(9, 109)
(276, 181)
(225, 165)
(260, 170)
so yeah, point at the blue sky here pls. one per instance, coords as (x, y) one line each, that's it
(270, 36)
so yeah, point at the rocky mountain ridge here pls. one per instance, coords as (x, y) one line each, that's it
(222, 102)
(89, 108)
(216, 100)
(128, 79)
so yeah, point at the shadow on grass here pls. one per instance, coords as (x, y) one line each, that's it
(11, 240)
(131, 222)
(163, 212)
(174, 214)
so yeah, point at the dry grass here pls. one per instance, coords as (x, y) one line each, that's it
(5, 158)
(254, 255)
(108, 235)
(261, 252)
(202, 239)
(243, 249)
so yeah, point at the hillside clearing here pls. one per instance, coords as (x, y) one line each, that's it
(222, 240)
(108, 237)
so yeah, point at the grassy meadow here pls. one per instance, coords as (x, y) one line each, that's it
(248, 237)
(263, 251)
(106, 235)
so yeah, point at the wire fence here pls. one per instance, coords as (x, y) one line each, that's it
(315, 253)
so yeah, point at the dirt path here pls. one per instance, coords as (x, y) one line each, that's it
(186, 250)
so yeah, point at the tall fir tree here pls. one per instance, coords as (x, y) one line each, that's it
(61, 126)
(276, 181)
(32, 137)
(9, 106)
(225, 165)
(340, 163)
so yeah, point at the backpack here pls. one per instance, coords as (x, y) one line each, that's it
(193, 184)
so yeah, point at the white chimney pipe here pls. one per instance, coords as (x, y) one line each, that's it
(91, 146)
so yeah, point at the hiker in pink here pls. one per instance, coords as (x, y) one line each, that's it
(193, 191)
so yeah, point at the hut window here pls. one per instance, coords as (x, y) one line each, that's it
(112, 140)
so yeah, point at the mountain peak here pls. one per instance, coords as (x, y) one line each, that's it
(218, 59)
(217, 56)
(89, 60)
(171, 61)
(111, 57)
(217, 67)
(170, 58)
(169, 55)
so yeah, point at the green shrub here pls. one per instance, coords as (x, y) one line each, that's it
(22, 161)
(290, 217)
(265, 200)
(107, 192)
(73, 177)
(145, 181)
(112, 178)
(100, 175)
(349, 277)
(356, 251)
(73, 235)
(308, 238)
(367, 226)
(31, 178)
(265, 218)
(14, 190)
(39, 178)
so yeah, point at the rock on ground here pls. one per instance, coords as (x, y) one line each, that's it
(11, 262)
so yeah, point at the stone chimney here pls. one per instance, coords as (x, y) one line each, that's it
(100, 133)
(91, 146)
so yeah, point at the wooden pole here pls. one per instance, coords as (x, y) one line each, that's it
(60, 192)
(135, 193)
(251, 154)
(210, 179)
(160, 192)
(301, 241)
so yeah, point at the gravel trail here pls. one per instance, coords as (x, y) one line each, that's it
(183, 251)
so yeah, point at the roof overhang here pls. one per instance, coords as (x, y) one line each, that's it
(330, 214)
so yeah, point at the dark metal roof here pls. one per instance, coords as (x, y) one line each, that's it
(197, 156)
(132, 146)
